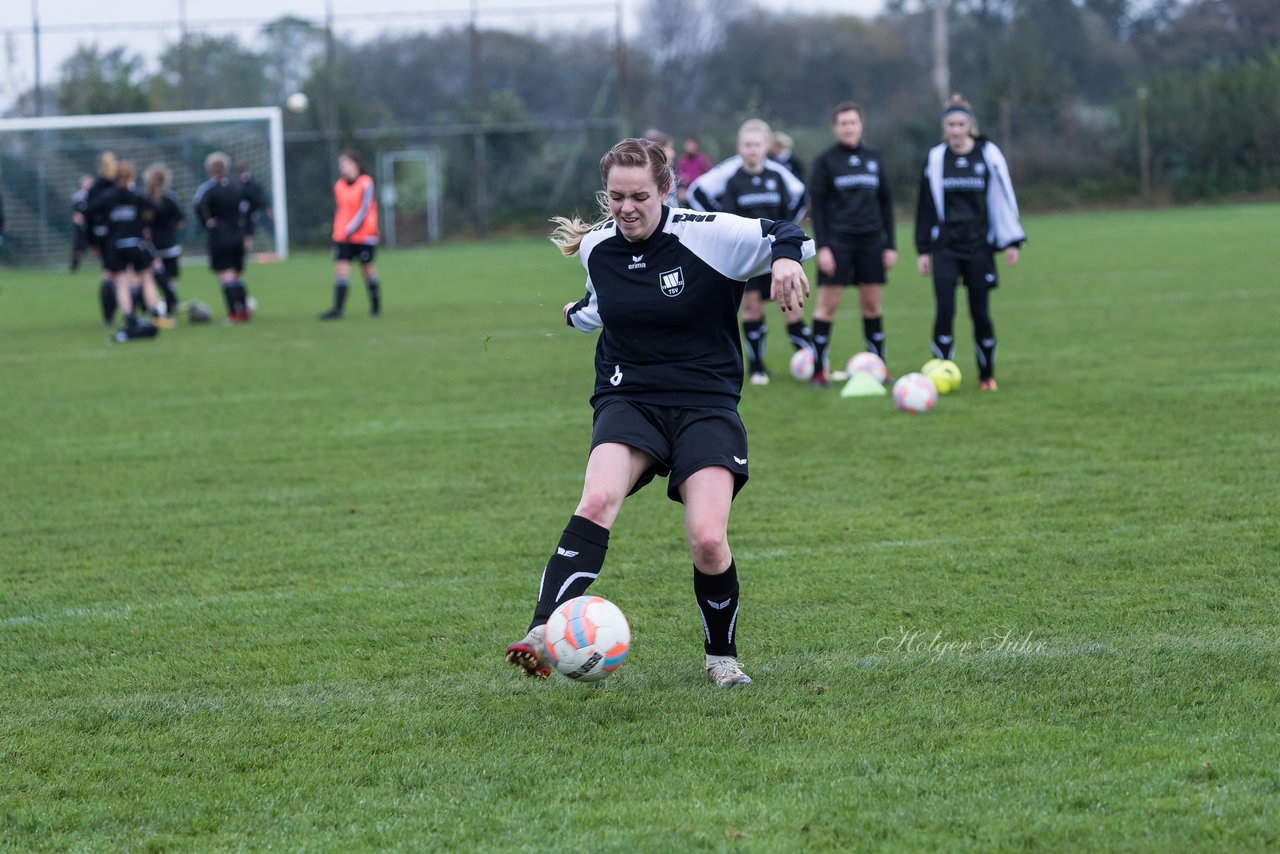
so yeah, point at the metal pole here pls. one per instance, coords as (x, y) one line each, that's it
(1144, 145)
(479, 146)
(35, 42)
(184, 60)
(622, 70)
(331, 73)
(941, 56)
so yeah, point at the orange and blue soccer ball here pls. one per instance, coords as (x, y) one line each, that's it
(587, 638)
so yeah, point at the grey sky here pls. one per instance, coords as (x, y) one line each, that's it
(66, 23)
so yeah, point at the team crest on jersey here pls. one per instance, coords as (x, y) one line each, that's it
(873, 167)
(672, 282)
(978, 169)
(771, 184)
(637, 263)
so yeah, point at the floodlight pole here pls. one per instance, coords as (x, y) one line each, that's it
(331, 73)
(35, 44)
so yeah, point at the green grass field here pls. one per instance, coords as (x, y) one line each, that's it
(255, 581)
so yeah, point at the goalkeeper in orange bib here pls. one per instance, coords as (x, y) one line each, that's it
(355, 234)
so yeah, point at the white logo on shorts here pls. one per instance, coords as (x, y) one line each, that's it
(742, 461)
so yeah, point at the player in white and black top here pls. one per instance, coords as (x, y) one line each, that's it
(748, 184)
(966, 212)
(853, 225)
(663, 287)
(217, 206)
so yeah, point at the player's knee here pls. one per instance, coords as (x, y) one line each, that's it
(599, 506)
(709, 548)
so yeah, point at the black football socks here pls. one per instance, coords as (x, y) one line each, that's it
(575, 564)
(717, 597)
(873, 332)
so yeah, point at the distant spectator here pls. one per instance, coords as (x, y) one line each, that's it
(690, 167)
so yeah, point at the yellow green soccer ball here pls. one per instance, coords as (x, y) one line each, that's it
(944, 373)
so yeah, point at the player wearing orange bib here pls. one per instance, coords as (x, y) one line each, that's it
(355, 233)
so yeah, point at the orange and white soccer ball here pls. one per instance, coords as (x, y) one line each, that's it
(587, 638)
(802, 364)
(868, 363)
(915, 392)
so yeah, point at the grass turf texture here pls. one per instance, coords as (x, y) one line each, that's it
(257, 580)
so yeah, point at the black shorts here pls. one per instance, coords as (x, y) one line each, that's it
(858, 262)
(119, 259)
(362, 252)
(760, 285)
(976, 271)
(682, 440)
(171, 267)
(226, 257)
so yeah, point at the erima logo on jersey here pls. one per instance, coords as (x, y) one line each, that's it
(688, 217)
(637, 263)
(672, 282)
(854, 160)
(962, 162)
(565, 552)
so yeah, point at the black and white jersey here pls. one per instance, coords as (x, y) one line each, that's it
(667, 306)
(219, 201)
(127, 216)
(781, 191)
(966, 205)
(851, 197)
(168, 221)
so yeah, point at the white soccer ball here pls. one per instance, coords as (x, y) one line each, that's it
(587, 638)
(915, 393)
(802, 364)
(868, 363)
(297, 102)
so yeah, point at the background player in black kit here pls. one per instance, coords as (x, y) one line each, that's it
(663, 288)
(752, 186)
(966, 212)
(217, 206)
(853, 226)
(105, 181)
(127, 249)
(165, 226)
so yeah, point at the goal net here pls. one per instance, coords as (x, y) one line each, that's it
(42, 161)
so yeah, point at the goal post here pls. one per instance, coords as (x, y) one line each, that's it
(42, 160)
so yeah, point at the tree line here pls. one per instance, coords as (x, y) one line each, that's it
(1070, 88)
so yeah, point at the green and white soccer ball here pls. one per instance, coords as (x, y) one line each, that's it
(944, 373)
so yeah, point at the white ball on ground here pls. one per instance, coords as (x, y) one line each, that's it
(297, 102)
(868, 363)
(802, 364)
(915, 393)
